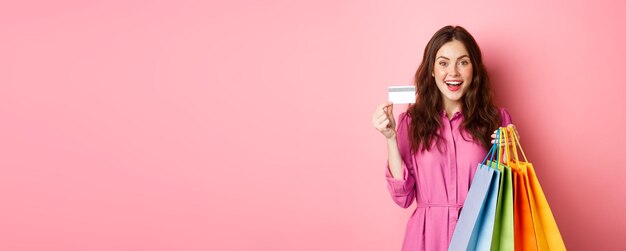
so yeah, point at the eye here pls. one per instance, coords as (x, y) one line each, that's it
(464, 62)
(443, 63)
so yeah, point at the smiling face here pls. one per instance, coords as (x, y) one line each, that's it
(452, 71)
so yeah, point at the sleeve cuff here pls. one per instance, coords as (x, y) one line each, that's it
(400, 186)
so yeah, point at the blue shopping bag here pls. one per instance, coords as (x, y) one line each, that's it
(474, 230)
(487, 217)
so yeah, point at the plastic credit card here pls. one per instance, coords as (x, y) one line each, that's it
(403, 94)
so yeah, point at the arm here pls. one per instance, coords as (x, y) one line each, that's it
(400, 177)
(400, 180)
(395, 161)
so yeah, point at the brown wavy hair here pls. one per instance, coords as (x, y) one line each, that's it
(481, 117)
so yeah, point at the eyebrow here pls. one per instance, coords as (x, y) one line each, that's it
(464, 56)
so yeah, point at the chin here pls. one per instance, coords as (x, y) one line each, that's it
(455, 98)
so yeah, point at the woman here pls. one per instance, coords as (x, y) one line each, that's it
(441, 138)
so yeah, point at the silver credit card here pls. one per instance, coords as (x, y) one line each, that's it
(403, 94)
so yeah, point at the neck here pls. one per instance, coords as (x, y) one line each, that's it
(451, 107)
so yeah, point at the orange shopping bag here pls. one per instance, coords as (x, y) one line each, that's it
(546, 232)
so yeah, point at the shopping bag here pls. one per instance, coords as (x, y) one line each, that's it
(523, 228)
(488, 214)
(503, 238)
(475, 226)
(547, 234)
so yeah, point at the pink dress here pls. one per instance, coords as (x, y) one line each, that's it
(437, 181)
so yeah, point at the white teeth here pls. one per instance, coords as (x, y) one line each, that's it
(453, 83)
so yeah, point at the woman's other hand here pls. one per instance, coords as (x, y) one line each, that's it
(506, 142)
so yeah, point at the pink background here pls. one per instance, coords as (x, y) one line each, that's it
(245, 125)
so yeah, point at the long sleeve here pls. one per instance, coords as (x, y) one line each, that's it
(402, 190)
(505, 117)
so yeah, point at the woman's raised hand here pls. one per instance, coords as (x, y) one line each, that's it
(506, 141)
(384, 121)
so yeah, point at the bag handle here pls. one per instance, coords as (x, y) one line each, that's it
(515, 141)
(495, 149)
(491, 152)
(502, 145)
(513, 145)
(498, 137)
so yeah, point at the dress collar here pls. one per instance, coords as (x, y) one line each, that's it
(456, 114)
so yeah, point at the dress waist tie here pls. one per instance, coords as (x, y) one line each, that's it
(458, 207)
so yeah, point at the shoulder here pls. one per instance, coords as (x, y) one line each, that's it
(505, 117)
(403, 116)
(403, 120)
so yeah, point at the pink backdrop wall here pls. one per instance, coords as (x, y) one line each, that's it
(245, 125)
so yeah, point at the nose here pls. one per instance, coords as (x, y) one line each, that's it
(453, 70)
